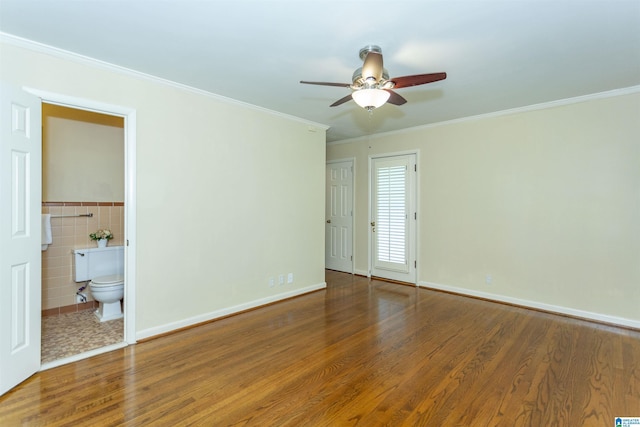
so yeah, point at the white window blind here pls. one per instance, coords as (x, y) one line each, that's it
(391, 207)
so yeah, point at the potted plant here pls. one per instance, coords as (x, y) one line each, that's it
(102, 237)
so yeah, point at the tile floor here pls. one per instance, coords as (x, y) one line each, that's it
(68, 334)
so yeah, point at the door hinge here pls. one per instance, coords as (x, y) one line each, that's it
(415, 264)
(415, 168)
(415, 215)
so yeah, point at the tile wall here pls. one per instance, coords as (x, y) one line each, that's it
(58, 286)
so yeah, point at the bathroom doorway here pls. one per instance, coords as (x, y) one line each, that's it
(82, 192)
(70, 330)
(21, 257)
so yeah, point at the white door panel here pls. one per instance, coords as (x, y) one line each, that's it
(20, 225)
(393, 218)
(339, 217)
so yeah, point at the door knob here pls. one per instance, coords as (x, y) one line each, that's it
(373, 223)
(328, 221)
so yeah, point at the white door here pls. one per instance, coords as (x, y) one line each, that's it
(393, 218)
(20, 228)
(339, 217)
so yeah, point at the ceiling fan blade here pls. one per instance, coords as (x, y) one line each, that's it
(395, 99)
(342, 101)
(326, 84)
(418, 79)
(372, 66)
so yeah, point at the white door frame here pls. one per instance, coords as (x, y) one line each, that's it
(415, 232)
(129, 116)
(351, 160)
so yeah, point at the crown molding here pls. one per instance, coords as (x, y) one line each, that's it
(534, 107)
(92, 62)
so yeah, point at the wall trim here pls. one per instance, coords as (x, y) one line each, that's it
(534, 107)
(86, 60)
(92, 204)
(550, 308)
(224, 312)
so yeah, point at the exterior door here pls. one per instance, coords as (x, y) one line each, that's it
(20, 228)
(393, 218)
(339, 217)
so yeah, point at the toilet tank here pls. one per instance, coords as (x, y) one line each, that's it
(96, 262)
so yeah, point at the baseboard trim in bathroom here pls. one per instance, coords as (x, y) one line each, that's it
(73, 308)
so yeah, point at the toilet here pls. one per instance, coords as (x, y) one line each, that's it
(104, 267)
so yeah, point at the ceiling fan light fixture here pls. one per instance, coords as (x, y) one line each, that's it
(370, 85)
(370, 98)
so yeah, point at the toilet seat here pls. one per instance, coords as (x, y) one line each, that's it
(113, 279)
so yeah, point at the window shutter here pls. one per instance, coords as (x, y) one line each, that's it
(391, 221)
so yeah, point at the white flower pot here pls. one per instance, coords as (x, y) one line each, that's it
(102, 243)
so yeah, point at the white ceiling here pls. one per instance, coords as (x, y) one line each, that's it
(498, 54)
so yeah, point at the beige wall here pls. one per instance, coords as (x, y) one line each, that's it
(227, 195)
(82, 156)
(547, 202)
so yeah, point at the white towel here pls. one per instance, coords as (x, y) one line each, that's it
(47, 238)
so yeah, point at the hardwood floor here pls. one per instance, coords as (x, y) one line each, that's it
(363, 353)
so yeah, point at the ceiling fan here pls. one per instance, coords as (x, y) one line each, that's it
(371, 86)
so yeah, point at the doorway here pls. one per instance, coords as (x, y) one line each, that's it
(393, 216)
(129, 117)
(82, 192)
(339, 216)
(129, 228)
(20, 216)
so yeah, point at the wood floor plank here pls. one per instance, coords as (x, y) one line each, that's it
(360, 353)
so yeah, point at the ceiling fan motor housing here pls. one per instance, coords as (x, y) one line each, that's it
(359, 82)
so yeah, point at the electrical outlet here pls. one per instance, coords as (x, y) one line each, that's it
(281, 280)
(272, 282)
(290, 278)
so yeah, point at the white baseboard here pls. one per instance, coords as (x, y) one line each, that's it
(361, 273)
(163, 329)
(598, 317)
